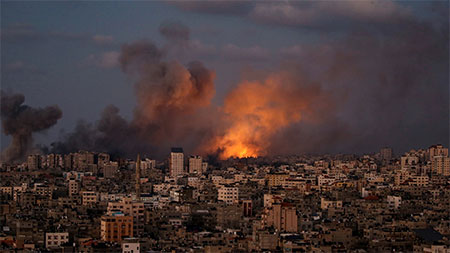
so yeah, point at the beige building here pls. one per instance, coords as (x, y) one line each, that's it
(283, 217)
(276, 179)
(195, 165)
(54, 240)
(74, 187)
(176, 162)
(437, 150)
(89, 197)
(441, 165)
(228, 194)
(326, 204)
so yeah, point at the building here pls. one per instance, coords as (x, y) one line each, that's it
(83, 160)
(386, 154)
(440, 165)
(176, 162)
(283, 217)
(147, 166)
(228, 194)
(34, 162)
(138, 177)
(326, 204)
(89, 197)
(394, 202)
(276, 179)
(131, 245)
(129, 208)
(437, 150)
(116, 227)
(102, 160)
(247, 207)
(110, 169)
(195, 164)
(54, 240)
(74, 187)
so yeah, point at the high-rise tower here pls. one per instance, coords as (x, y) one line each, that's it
(138, 177)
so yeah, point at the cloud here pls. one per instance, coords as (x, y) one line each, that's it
(102, 39)
(105, 60)
(327, 15)
(234, 52)
(27, 33)
(20, 67)
(214, 7)
(20, 32)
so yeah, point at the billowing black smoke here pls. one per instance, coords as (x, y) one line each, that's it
(21, 121)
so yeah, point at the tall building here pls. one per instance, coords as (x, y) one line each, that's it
(437, 150)
(110, 169)
(176, 162)
(34, 162)
(138, 177)
(103, 160)
(116, 227)
(386, 154)
(441, 165)
(74, 187)
(195, 164)
(283, 217)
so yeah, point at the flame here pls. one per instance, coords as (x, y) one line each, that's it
(256, 111)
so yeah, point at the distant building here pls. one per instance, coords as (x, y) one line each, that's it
(89, 197)
(110, 169)
(131, 245)
(437, 150)
(102, 160)
(116, 227)
(247, 207)
(386, 154)
(129, 208)
(195, 165)
(394, 202)
(74, 187)
(441, 165)
(283, 217)
(176, 162)
(34, 162)
(326, 204)
(54, 240)
(228, 194)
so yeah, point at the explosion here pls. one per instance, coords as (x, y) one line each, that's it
(256, 110)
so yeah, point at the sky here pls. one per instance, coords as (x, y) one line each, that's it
(367, 74)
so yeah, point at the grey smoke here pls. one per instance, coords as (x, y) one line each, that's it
(21, 121)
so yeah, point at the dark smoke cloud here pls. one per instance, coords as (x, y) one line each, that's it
(21, 121)
(386, 84)
(391, 84)
(172, 100)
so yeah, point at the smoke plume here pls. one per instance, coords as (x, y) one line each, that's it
(369, 87)
(21, 121)
(172, 101)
